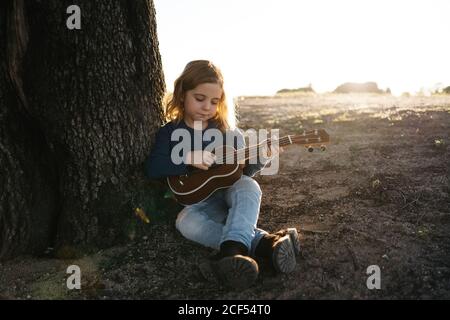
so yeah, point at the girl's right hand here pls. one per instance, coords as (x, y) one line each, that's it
(200, 159)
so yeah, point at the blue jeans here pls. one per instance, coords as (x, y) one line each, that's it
(228, 214)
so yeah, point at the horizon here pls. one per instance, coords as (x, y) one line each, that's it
(399, 45)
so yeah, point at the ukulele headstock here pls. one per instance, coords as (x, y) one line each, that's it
(312, 139)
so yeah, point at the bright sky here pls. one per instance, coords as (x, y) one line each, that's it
(263, 46)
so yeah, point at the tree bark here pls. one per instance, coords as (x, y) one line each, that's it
(78, 112)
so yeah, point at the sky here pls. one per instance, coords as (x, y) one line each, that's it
(263, 46)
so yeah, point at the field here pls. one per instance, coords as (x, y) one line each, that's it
(379, 195)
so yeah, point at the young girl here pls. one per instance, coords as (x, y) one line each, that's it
(226, 220)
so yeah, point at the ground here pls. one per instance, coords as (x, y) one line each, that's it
(379, 195)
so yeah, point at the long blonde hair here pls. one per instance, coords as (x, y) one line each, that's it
(195, 73)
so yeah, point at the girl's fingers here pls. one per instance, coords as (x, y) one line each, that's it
(207, 163)
(266, 151)
(209, 157)
(202, 166)
(275, 150)
(208, 160)
(271, 151)
(209, 154)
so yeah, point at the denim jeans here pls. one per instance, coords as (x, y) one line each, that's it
(228, 214)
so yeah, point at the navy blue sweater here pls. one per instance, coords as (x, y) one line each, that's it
(160, 165)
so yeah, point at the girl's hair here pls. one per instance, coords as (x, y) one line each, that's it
(195, 73)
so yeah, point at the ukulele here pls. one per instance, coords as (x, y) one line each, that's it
(198, 184)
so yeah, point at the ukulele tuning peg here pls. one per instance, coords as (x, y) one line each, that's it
(310, 149)
(323, 148)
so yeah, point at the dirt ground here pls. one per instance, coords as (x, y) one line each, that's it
(379, 195)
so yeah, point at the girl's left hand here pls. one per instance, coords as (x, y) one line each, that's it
(273, 151)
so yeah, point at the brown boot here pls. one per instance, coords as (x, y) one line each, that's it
(234, 267)
(295, 239)
(277, 251)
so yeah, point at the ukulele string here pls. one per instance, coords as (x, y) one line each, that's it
(253, 150)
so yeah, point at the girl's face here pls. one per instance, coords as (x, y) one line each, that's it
(200, 103)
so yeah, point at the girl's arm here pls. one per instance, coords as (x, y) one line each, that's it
(159, 164)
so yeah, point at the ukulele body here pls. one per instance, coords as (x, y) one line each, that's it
(198, 185)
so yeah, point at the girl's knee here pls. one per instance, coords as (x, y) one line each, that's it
(248, 184)
(179, 221)
(188, 223)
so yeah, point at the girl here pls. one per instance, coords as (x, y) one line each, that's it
(227, 220)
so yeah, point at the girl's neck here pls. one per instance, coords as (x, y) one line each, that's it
(190, 123)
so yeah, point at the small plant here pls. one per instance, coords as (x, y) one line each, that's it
(439, 143)
(423, 232)
(376, 184)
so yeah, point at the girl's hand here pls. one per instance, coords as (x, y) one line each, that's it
(272, 152)
(200, 159)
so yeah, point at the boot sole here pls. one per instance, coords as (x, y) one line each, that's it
(238, 271)
(295, 239)
(283, 255)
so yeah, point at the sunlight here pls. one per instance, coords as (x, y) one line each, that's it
(267, 45)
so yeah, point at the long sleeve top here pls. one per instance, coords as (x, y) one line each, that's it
(159, 163)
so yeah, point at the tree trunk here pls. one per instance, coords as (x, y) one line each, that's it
(78, 111)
